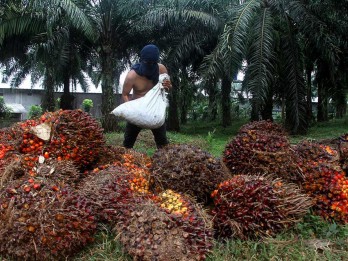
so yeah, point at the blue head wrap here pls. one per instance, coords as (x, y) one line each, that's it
(148, 66)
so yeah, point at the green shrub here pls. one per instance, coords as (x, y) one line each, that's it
(5, 112)
(35, 111)
(87, 104)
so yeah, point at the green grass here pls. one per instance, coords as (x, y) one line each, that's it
(312, 239)
(213, 137)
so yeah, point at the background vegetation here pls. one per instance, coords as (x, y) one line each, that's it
(289, 51)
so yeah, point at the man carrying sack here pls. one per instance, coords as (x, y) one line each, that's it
(143, 78)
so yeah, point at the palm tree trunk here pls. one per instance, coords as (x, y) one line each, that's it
(108, 120)
(323, 74)
(173, 123)
(225, 101)
(322, 103)
(67, 99)
(48, 102)
(266, 112)
(213, 95)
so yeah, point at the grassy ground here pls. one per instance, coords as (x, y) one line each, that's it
(312, 239)
(213, 137)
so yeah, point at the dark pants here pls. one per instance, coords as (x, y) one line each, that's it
(132, 132)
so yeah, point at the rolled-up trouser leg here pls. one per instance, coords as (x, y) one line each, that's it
(130, 135)
(160, 136)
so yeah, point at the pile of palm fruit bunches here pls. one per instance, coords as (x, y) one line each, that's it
(60, 181)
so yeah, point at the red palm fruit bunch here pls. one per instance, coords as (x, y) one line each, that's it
(328, 185)
(151, 232)
(264, 126)
(343, 150)
(192, 218)
(10, 142)
(137, 164)
(187, 169)
(41, 221)
(110, 192)
(110, 154)
(267, 151)
(5, 153)
(63, 172)
(315, 152)
(74, 135)
(254, 206)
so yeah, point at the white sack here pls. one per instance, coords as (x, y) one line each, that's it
(147, 112)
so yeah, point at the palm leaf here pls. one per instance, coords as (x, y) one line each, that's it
(293, 82)
(260, 71)
(230, 51)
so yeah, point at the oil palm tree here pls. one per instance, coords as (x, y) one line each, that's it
(185, 31)
(267, 35)
(46, 26)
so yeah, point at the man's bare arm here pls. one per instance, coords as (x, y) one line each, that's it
(127, 86)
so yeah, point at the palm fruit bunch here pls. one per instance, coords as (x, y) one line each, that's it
(250, 206)
(192, 218)
(41, 221)
(5, 157)
(12, 170)
(110, 191)
(151, 231)
(74, 135)
(328, 185)
(62, 172)
(109, 155)
(310, 152)
(64, 134)
(137, 164)
(187, 169)
(10, 142)
(172, 202)
(264, 126)
(343, 149)
(262, 148)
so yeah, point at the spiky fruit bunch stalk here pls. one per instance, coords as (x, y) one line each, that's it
(329, 188)
(152, 231)
(187, 169)
(265, 152)
(255, 206)
(41, 221)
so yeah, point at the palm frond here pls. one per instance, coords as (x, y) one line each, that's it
(315, 29)
(57, 9)
(260, 71)
(230, 51)
(82, 79)
(293, 82)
